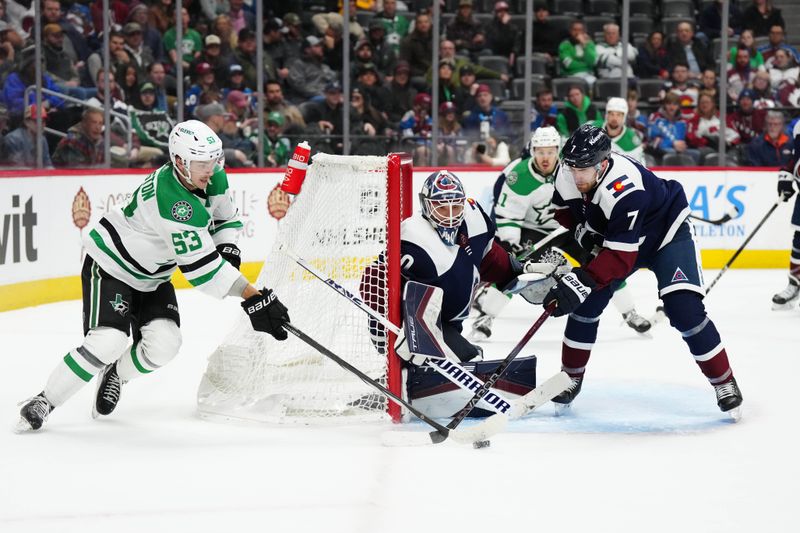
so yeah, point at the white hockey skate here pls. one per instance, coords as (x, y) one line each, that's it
(637, 322)
(481, 328)
(787, 297)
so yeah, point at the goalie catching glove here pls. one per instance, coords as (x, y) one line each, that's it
(267, 313)
(785, 185)
(570, 292)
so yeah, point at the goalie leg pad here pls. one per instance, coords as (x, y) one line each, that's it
(159, 344)
(437, 397)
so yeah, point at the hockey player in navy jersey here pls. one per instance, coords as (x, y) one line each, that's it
(450, 244)
(788, 178)
(636, 220)
(524, 216)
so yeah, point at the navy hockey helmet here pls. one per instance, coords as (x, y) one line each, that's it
(588, 146)
(442, 199)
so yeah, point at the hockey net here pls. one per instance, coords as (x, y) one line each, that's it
(347, 214)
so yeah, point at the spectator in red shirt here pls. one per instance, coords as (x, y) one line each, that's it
(747, 120)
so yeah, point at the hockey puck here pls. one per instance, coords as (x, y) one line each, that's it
(481, 444)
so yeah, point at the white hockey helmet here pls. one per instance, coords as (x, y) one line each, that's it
(617, 104)
(544, 136)
(193, 140)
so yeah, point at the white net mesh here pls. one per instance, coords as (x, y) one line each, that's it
(338, 224)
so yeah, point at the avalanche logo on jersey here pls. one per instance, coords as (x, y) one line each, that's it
(182, 211)
(679, 276)
(119, 305)
(619, 186)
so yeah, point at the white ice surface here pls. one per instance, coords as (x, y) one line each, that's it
(645, 449)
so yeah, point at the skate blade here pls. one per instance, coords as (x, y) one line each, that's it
(562, 409)
(784, 307)
(735, 414)
(22, 426)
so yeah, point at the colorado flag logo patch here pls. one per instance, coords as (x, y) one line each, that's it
(679, 276)
(619, 186)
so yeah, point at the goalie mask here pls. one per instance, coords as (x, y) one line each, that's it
(442, 199)
(199, 149)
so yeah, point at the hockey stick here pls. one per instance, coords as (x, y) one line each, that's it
(480, 393)
(732, 213)
(746, 241)
(449, 368)
(440, 435)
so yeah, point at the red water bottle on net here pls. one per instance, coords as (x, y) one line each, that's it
(296, 169)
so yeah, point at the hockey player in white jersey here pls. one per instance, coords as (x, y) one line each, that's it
(181, 217)
(624, 140)
(524, 215)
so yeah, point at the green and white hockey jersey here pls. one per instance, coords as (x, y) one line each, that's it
(628, 143)
(524, 201)
(164, 227)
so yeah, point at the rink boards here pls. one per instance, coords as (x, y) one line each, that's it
(44, 215)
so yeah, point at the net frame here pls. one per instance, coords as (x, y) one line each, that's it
(397, 169)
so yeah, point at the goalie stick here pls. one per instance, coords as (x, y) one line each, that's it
(464, 436)
(732, 213)
(454, 423)
(449, 367)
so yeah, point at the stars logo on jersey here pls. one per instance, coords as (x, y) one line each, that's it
(679, 276)
(619, 186)
(512, 178)
(119, 305)
(182, 211)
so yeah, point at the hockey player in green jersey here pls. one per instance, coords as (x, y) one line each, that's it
(624, 140)
(525, 223)
(181, 217)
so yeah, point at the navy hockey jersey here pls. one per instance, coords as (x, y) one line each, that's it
(456, 269)
(634, 211)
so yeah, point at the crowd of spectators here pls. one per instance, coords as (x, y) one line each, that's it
(669, 114)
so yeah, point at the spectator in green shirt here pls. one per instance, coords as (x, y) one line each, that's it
(396, 25)
(191, 43)
(277, 148)
(577, 54)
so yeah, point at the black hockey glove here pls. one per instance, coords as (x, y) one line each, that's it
(587, 238)
(231, 254)
(267, 313)
(570, 292)
(785, 185)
